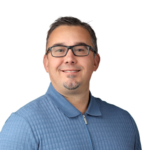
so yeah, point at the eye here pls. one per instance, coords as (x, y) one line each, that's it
(59, 50)
(79, 50)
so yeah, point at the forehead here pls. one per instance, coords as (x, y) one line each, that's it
(69, 35)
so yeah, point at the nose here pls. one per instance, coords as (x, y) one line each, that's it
(70, 58)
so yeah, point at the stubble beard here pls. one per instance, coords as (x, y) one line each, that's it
(71, 84)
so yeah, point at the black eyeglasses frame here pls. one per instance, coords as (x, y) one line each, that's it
(71, 47)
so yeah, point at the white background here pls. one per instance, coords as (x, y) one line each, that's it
(123, 31)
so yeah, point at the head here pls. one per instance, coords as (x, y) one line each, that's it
(71, 74)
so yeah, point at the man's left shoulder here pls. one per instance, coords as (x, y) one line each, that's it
(108, 109)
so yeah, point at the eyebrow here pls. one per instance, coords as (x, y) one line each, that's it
(62, 44)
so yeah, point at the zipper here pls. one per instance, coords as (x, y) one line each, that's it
(87, 131)
(85, 119)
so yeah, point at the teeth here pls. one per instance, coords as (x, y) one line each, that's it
(70, 71)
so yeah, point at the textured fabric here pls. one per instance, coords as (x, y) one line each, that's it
(52, 123)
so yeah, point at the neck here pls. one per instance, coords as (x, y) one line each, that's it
(80, 101)
(78, 98)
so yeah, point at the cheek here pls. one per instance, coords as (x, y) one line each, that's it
(53, 66)
(88, 66)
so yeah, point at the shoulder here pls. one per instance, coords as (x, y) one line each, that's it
(114, 112)
(117, 115)
(35, 109)
(109, 108)
(27, 120)
(121, 119)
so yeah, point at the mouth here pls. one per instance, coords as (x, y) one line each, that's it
(70, 71)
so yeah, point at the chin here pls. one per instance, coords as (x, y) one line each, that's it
(71, 85)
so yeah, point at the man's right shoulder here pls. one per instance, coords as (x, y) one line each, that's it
(36, 108)
(20, 130)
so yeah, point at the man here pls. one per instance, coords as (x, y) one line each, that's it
(68, 117)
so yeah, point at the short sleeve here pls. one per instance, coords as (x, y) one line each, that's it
(137, 144)
(17, 134)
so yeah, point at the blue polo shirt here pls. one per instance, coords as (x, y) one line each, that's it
(51, 122)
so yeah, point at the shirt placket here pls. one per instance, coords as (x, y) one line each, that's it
(86, 123)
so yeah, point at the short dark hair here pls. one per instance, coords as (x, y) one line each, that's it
(72, 21)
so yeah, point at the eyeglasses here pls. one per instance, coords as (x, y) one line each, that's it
(78, 50)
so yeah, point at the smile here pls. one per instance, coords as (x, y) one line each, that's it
(71, 71)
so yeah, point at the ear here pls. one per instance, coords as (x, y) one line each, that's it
(45, 62)
(96, 62)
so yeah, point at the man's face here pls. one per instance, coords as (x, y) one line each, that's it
(59, 69)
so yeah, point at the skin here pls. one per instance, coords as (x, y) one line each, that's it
(74, 87)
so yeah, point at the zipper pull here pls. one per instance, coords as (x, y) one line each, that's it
(85, 119)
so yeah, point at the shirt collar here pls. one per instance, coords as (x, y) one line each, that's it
(67, 108)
